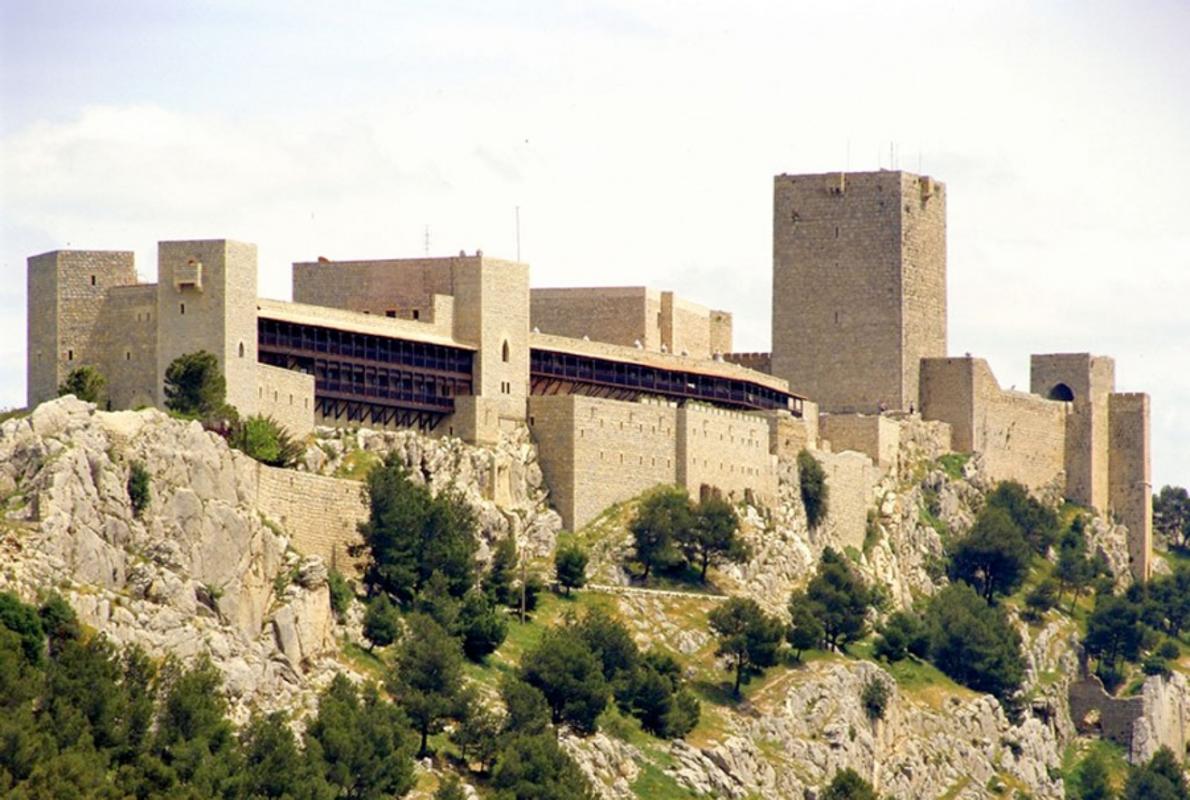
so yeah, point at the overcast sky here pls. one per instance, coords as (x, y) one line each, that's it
(639, 140)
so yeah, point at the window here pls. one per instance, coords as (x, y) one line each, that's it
(182, 308)
(70, 355)
(392, 312)
(504, 352)
(127, 355)
(241, 349)
(92, 280)
(416, 314)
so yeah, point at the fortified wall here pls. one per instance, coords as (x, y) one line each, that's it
(624, 388)
(632, 316)
(597, 452)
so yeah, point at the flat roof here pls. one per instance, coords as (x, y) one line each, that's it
(356, 322)
(649, 358)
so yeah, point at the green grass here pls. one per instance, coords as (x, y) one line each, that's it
(356, 465)
(655, 784)
(953, 463)
(12, 413)
(1113, 755)
(370, 664)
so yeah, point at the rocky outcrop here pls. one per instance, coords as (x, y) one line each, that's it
(197, 571)
(818, 725)
(502, 483)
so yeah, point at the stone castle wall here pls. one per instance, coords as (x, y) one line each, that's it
(761, 362)
(320, 515)
(67, 295)
(129, 345)
(725, 450)
(595, 453)
(632, 315)
(1022, 436)
(876, 436)
(287, 396)
(1131, 495)
(620, 315)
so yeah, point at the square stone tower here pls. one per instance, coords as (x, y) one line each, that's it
(206, 300)
(67, 292)
(859, 285)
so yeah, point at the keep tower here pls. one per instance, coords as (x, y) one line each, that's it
(859, 285)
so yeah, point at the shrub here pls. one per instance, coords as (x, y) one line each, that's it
(570, 676)
(570, 567)
(1041, 598)
(874, 696)
(382, 624)
(480, 625)
(85, 383)
(1038, 523)
(848, 785)
(838, 598)
(341, 592)
(712, 536)
(139, 493)
(903, 634)
(266, 440)
(815, 493)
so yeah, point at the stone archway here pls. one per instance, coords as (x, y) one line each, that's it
(1061, 392)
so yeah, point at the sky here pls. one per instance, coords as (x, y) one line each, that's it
(636, 140)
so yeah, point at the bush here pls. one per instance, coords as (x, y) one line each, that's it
(874, 696)
(266, 440)
(1041, 598)
(656, 697)
(815, 493)
(195, 386)
(903, 634)
(382, 624)
(480, 625)
(85, 383)
(848, 785)
(570, 567)
(712, 536)
(837, 598)
(139, 493)
(1037, 523)
(341, 592)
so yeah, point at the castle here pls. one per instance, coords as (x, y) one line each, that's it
(622, 388)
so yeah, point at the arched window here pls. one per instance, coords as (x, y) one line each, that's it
(241, 349)
(504, 351)
(1061, 392)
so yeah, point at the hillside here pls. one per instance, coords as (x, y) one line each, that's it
(200, 570)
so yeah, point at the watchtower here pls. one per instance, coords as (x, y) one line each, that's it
(859, 285)
(206, 300)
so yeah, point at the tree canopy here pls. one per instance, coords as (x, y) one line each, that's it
(195, 386)
(411, 534)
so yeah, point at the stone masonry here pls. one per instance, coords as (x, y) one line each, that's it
(859, 327)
